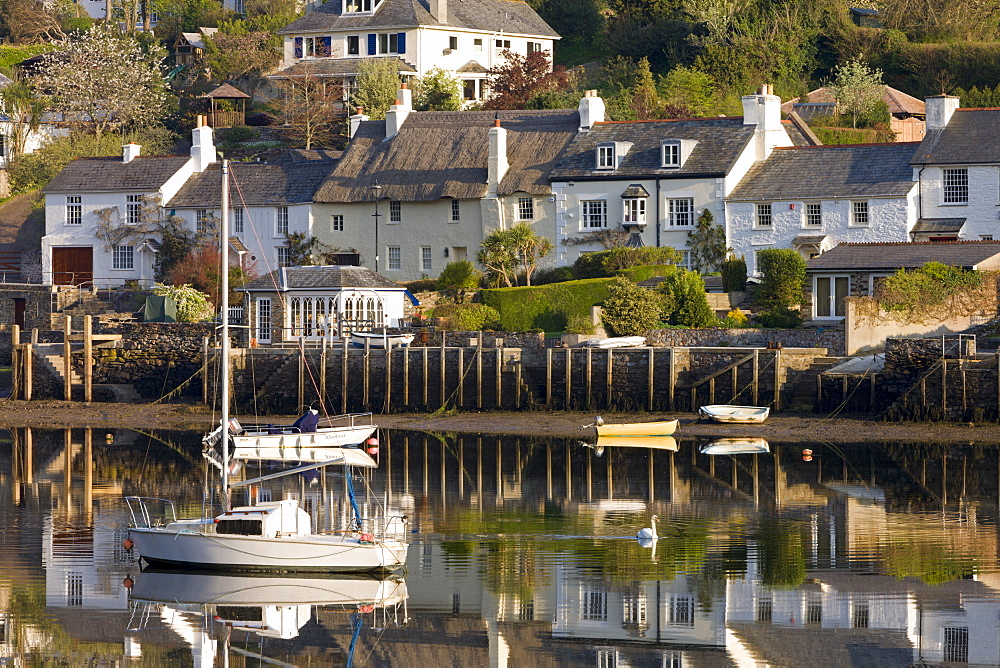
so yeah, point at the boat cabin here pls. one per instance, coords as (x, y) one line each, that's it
(272, 519)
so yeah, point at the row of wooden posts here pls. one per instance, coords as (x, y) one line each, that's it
(22, 359)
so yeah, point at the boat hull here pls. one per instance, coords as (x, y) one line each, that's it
(737, 446)
(336, 437)
(735, 414)
(664, 428)
(380, 341)
(290, 554)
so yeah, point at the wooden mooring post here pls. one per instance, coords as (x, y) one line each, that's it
(88, 358)
(204, 370)
(68, 359)
(16, 366)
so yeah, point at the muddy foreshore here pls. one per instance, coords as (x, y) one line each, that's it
(787, 427)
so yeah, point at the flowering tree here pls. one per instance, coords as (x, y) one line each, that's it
(103, 80)
(858, 88)
(520, 78)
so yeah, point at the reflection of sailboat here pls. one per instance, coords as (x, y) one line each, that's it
(272, 536)
(269, 607)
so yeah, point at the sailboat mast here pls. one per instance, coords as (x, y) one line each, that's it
(224, 298)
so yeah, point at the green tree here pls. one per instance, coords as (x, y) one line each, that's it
(734, 274)
(376, 86)
(691, 89)
(241, 58)
(645, 100)
(686, 300)
(457, 279)
(630, 310)
(707, 242)
(858, 89)
(24, 110)
(438, 91)
(504, 252)
(783, 274)
(529, 248)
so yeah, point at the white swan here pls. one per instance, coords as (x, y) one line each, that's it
(649, 533)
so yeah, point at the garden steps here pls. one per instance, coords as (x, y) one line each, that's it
(802, 396)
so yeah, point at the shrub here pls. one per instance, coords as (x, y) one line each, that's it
(578, 324)
(553, 275)
(630, 310)
(605, 263)
(545, 307)
(421, 285)
(192, 305)
(646, 272)
(459, 278)
(784, 272)
(467, 317)
(779, 318)
(734, 274)
(736, 319)
(687, 301)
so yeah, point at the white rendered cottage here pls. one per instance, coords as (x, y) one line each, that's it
(310, 303)
(464, 37)
(812, 198)
(73, 252)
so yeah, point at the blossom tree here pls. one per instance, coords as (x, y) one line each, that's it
(103, 80)
(520, 78)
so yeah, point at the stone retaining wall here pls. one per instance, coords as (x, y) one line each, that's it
(831, 339)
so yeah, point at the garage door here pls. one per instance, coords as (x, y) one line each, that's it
(72, 265)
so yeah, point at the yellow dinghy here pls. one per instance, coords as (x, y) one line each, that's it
(664, 428)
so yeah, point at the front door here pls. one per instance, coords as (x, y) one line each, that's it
(72, 265)
(19, 311)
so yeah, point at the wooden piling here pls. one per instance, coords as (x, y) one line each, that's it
(517, 383)
(499, 377)
(871, 393)
(322, 376)
(548, 378)
(649, 378)
(15, 359)
(343, 375)
(479, 373)
(388, 378)
(756, 377)
(944, 385)
(426, 376)
(28, 354)
(444, 367)
(301, 384)
(366, 373)
(610, 381)
(777, 379)
(68, 359)
(204, 370)
(406, 378)
(461, 376)
(88, 358)
(569, 378)
(671, 378)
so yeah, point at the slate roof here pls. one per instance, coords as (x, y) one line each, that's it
(720, 142)
(969, 138)
(320, 278)
(303, 155)
(635, 190)
(254, 184)
(105, 174)
(500, 16)
(938, 225)
(903, 255)
(333, 67)
(853, 170)
(444, 154)
(809, 239)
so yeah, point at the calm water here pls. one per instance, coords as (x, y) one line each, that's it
(522, 554)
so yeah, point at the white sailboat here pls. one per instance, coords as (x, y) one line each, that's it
(271, 536)
(334, 432)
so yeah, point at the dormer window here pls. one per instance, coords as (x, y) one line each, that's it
(357, 6)
(671, 154)
(606, 156)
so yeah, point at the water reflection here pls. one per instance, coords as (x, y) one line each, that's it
(524, 552)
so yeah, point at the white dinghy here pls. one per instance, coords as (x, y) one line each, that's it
(735, 414)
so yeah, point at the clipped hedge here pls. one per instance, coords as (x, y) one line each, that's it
(603, 264)
(546, 307)
(466, 317)
(644, 273)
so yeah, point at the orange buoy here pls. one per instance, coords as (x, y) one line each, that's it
(128, 582)
(372, 451)
(807, 458)
(372, 441)
(128, 544)
(807, 451)
(109, 438)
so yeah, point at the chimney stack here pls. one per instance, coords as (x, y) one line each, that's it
(396, 116)
(497, 166)
(592, 110)
(439, 10)
(939, 109)
(357, 119)
(130, 152)
(763, 110)
(202, 146)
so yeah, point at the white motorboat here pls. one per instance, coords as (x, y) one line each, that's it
(380, 340)
(736, 446)
(735, 414)
(338, 431)
(272, 536)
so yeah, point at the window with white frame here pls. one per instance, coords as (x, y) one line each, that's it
(829, 296)
(594, 213)
(284, 256)
(686, 259)
(859, 214)
(395, 211)
(353, 6)
(525, 208)
(281, 225)
(607, 657)
(74, 210)
(336, 223)
(354, 45)
(453, 42)
(763, 215)
(503, 44)
(203, 219)
(425, 258)
(680, 212)
(395, 256)
(133, 209)
(986, 237)
(534, 46)
(634, 210)
(477, 44)
(594, 606)
(956, 186)
(680, 608)
(456, 211)
(814, 214)
(671, 154)
(634, 609)
(606, 156)
(123, 257)
(264, 320)
(238, 220)
(388, 43)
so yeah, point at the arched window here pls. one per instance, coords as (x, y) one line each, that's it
(295, 317)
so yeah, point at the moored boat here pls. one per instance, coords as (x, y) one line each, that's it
(616, 342)
(735, 414)
(736, 446)
(380, 340)
(662, 428)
